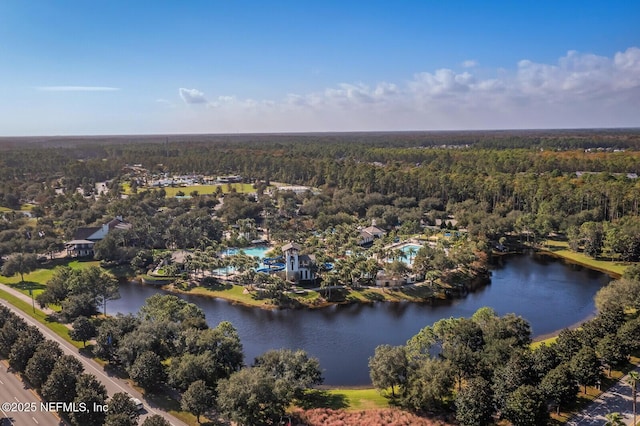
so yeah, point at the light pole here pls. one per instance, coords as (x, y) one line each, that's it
(33, 303)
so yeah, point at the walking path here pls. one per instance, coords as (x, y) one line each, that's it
(111, 383)
(615, 400)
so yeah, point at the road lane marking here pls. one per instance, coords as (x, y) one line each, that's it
(1, 382)
(16, 399)
(34, 419)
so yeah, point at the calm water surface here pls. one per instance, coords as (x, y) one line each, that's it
(549, 294)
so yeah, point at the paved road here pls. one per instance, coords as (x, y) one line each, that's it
(616, 400)
(111, 383)
(22, 402)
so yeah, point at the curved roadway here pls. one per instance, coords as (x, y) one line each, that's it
(111, 383)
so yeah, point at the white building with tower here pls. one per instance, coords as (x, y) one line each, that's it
(298, 267)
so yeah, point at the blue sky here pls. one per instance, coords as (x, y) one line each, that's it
(123, 67)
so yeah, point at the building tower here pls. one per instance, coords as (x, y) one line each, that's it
(291, 260)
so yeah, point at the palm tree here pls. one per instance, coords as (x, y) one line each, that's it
(632, 380)
(614, 419)
(412, 252)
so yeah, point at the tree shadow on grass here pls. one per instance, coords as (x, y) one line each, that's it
(316, 398)
(217, 285)
(373, 296)
(28, 285)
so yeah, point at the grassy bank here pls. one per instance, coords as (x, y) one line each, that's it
(561, 249)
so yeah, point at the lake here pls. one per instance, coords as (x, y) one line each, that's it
(548, 293)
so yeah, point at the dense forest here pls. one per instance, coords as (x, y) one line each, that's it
(534, 182)
(490, 191)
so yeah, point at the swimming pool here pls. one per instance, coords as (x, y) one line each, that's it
(409, 251)
(258, 251)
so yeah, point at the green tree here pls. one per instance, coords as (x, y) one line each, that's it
(294, 371)
(110, 335)
(167, 307)
(388, 367)
(24, 348)
(518, 371)
(157, 336)
(620, 294)
(42, 362)
(57, 288)
(147, 371)
(19, 263)
(91, 392)
(629, 333)
(526, 407)
(474, 403)
(462, 343)
(222, 341)
(119, 420)
(106, 288)
(592, 237)
(568, 344)
(559, 387)
(188, 368)
(614, 419)
(545, 358)
(585, 367)
(428, 385)
(197, 399)
(77, 305)
(61, 383)
(121, 410)
(9, 334)
(249, 397)
(155, 420)
(612, 351)
(83, 330)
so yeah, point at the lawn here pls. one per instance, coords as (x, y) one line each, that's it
(561, 249)
(36, 280)
(547, 342)
(343, 399)
(243, 188)
(360, 399)
(231, 292)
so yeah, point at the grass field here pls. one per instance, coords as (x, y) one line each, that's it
(243, 188)
(547, 342)
(23, 208)
(36, 281)
(361, 399)
(561, 249)
(231, 292)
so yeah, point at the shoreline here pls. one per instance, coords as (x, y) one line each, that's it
(546, 251)
(270, 307)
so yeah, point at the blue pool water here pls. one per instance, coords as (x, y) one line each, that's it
(258, 251)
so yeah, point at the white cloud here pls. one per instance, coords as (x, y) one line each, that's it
(166, 103)
(578, 90)
(470, 63)
(192, 96)
(77, 88)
